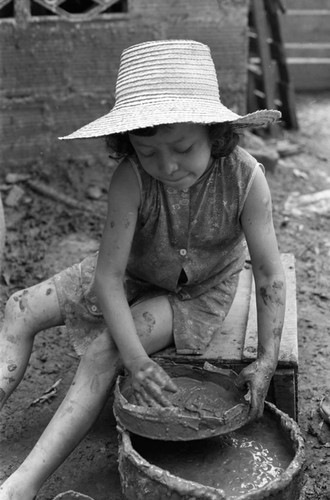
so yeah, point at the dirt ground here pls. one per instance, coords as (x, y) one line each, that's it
(44, 236)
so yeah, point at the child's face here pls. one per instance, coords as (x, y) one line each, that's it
(176, 155)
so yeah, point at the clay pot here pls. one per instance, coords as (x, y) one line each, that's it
(211, 405)
(142, 480)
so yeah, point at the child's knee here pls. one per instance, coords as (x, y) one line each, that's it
(18, 320)
(17, 305)
(102, 354)
(35, 308)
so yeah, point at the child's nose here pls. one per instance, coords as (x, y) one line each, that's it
(168, 165)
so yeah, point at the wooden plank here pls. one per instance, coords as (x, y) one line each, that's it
(308, 50)
(307, 43)
(307, 4)
(310, 74)
(288, 355)
(285, 387)
(228, 345)
(302, 26)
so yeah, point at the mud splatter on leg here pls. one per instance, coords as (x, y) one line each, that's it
(11, 339)
(277, 333)
(23, 302)
(149, 320)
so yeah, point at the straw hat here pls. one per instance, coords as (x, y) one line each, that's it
(168, 81)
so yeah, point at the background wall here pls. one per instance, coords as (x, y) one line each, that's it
(306, 30)
(58, 71)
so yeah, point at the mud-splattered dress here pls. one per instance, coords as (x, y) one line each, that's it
(188, 244)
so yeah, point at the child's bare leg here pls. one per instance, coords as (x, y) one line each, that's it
(153, 319)
(27, 313)
(85, 399)
(72, 420)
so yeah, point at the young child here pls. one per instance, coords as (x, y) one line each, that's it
(183, 203)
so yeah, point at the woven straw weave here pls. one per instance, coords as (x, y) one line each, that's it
(168, 81)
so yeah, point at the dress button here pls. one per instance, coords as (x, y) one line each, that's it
(183, 252)
(94, 308)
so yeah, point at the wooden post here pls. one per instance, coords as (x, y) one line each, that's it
(268, 69)
(285, 87)
(260, 23)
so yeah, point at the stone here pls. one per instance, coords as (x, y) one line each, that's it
(14, 196)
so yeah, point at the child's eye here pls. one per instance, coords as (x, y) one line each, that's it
(185, 151)
(145, 155)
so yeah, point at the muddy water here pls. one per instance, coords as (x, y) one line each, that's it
(205, 398)
(236, 463)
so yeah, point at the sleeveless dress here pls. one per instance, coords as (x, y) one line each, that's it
(188, 245)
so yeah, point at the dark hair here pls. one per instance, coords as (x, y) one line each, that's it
(223, 138)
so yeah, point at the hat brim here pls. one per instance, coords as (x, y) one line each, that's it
(127, 118)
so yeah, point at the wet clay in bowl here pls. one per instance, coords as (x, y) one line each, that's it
(207, 404)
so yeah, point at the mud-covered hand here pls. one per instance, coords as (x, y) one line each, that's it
(256, 377)
(149, 382)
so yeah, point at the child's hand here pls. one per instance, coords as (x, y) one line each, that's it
(256, 377)
(149, 381)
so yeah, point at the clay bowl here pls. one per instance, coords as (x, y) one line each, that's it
(142, 479)
(207, 404)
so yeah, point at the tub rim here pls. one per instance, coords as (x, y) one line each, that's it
(167, 479)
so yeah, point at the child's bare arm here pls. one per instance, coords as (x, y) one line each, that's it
(269, 278)
(124, 197)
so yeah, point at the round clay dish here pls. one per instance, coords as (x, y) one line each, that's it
(207, 404)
